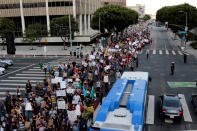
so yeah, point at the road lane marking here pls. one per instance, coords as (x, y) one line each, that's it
(34, 72)
(34, 69)
(154, 52)
(186, 113)
(15, 84)
(28, 78)
(151, 110)
(167, 52)
(30, 75)
(17, 70)
(32, 81)
(11, 89)
(180, 53)
(160, 52)
(173, 52)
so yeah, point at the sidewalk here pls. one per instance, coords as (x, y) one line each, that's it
(188, 49)
(50, 50)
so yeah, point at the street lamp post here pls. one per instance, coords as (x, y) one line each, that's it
(185, 17)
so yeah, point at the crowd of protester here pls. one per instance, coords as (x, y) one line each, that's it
(82, 87)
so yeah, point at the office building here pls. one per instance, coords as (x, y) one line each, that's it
(140, 8)
(25, 12)
(114, 2)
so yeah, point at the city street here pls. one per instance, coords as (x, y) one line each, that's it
(162, 52)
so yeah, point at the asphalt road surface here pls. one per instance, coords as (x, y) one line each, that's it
(162, 52)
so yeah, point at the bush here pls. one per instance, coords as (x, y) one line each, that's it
(194, 45)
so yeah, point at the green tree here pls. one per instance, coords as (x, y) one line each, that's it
(60, 27)
(112, 17)
(34, 32)
(176, 16)
(146, 17)
(6, 26)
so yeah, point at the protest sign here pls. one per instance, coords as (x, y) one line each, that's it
(70, 91)
(106, 80)
(63, 84)
(72, 116)
(60, 93)
(61, 104)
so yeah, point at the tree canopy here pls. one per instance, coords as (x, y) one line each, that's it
(60, 26)
(113, 17)
(146, 17)
(34, 32)
(6, 26)
(176, 16)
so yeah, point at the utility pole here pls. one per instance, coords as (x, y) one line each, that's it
(70, 28)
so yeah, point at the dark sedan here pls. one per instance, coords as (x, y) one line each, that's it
(170, 107)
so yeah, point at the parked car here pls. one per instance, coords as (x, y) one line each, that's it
(4, 65)
(2, 71)
(170, 107)
(8, 61)
(194, 102)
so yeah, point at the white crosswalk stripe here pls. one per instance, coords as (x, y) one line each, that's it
(180, 53)
(173, 52)
(160, 52)
(34, 69)
(167, 52)
(151, 110)
(186, 113)
(27, 78)
(32, 81)
(34, 72)
(15, 84)
(154, 52)
(30, 74)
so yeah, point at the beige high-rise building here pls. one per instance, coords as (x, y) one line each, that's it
(25, 12)
(140, 8)
(115, 2)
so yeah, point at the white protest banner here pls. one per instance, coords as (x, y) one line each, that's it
(56, 80)
(78, 110)
(75, 84)
(70, 91)
(63, 84)
(72, 116)
(98, 84)
(106, 80)
(70, 80)
(60, 93)
(61, 104)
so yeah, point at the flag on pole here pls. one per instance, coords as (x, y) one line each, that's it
(92, 95)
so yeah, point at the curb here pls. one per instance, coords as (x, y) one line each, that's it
(30, 55)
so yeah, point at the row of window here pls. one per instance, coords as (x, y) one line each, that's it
(36, 5)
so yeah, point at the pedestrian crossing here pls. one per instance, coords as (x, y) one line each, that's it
(34, 74)
(163, 52)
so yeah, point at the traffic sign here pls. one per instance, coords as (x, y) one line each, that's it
(182, 32)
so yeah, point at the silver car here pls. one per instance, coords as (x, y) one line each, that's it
(7, 61)
(2, 71)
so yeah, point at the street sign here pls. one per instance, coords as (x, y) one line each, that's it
(182, 32)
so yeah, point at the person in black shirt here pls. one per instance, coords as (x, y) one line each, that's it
(28, 87)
